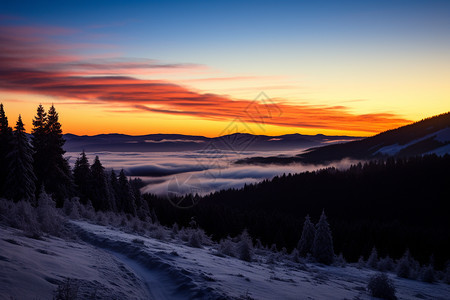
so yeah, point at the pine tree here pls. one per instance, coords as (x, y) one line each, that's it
(38, 141)
(82, 177)
(323, 242)
(113, 187)
(58, 177)
(125, 195)
(305, 243)
(99, 191)
(5, 148)
(20, 181)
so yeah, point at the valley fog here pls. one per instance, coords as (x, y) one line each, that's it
(197, 172)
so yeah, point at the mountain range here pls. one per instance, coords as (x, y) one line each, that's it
(428, 136)
(177, 142)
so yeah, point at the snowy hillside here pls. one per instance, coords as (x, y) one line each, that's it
(429, 136)
(111, 264)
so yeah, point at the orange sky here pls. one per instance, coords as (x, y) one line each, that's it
(104, 93)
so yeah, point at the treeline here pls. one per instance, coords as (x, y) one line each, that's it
(30, 167)
(393, 204)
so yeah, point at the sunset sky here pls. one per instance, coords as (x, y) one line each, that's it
(215, 67)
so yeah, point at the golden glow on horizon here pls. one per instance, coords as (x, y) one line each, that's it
(98, 119)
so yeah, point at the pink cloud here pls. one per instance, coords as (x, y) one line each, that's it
(28, 66)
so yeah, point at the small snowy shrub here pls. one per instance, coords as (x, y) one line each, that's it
(87, 211)
(385, 264)
(5, 208)
(340, 260)
(184, 234)
(427, 274)
(24, 217)
(175, 228)
(159, 233)
(361, 263)
(101, 218)
(195, 239)
(72, 208)
(226, 247)
(295, 256)
(48, 217)
(245, 247)
(381, 286)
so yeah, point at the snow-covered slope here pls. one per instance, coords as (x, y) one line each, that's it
(441, 136)
(113, 264)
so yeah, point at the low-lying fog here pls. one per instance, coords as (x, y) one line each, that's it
(202, 172)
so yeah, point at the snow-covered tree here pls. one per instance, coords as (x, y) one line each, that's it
(19, 184)
(372, 261)
(322, 249)
(427, 274)
(5, 147)
(407, 266)
(305, 243)
(245, 247)
(47, 214)
(226, 247)
(386, 264)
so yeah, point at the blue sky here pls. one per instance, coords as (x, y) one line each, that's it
(382, 56)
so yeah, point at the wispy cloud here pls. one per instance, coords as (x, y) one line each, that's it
(29, 63)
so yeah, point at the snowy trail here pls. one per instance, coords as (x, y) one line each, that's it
(157, 284)
(162, 279)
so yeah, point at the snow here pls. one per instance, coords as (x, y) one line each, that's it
(441, 150)
(442, 136)
(131, 266)
(31, 269)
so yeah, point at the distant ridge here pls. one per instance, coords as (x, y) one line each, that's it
(428, 136)
(178, 142)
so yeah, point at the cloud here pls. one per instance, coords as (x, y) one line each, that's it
(30, 63)
(195, 171)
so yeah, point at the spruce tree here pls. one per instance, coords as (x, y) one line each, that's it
(82, 177)
(5, 148)
(20, 181)
(113, 187)
(323, 242)
(305, 243)
(58, 179)
(125, 195)
(99, 191)
(38, 141)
